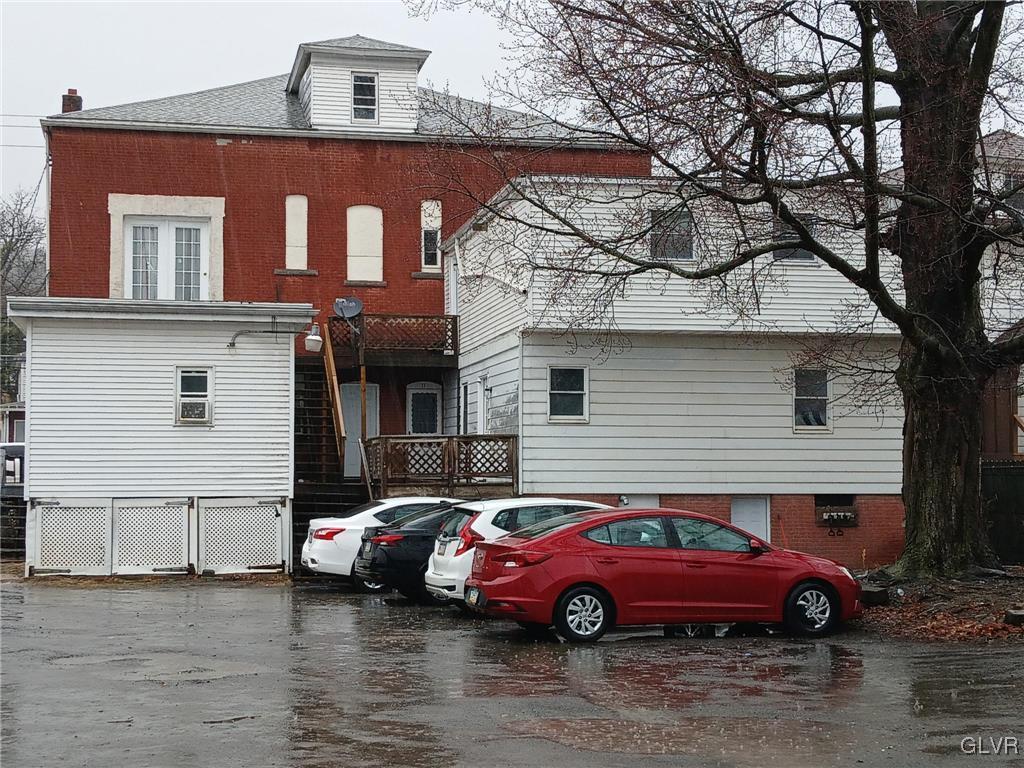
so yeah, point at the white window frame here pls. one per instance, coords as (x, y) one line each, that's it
(376, 98)
(14, 430)
(805, 428)
(464, 411)
(165, 263)
(423, 251)
(814, 223)
(424, 386)
(557, 419)
(654, 213)
(430, 221)
(178, 396)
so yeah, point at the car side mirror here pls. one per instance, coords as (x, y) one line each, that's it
(756, 548)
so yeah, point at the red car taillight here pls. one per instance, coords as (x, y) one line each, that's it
(467, 536)
(387, 539)
(327, 534)
(523, 559)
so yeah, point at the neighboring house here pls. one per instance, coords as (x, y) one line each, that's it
(12, 413)
(666, 392)
(160, 434)
(322, 183)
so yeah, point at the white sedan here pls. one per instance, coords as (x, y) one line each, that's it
(452, 559)
(332, 543)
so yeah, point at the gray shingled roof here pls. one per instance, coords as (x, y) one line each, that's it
(365, 43)
(265, 105)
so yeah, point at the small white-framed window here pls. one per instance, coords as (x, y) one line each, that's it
(193, 402)
(430, 240)
(19, 430)
(423, 408)
(671, 235)
(568, 393)
(167, 258)
(811, 394)
(798, 254)
(364, 97)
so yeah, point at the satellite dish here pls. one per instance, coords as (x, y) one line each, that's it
(348, 307)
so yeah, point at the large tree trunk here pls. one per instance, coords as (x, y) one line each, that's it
(945, 523)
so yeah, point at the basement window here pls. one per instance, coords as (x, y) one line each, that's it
(194, 396)
(364, 97)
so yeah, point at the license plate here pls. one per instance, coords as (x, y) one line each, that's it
(367, 547)
(473, 596)
(442, 547)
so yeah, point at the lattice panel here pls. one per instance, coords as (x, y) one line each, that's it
(239, 536)
(419, 458)
(151, 537)
(437, 333)
(74, 537)
(483, 456)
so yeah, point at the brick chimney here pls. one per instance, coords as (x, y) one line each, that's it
(71, 101)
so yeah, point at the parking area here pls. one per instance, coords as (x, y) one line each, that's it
(190, 673)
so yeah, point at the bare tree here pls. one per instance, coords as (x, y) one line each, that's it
(869, 114)
(22, 273)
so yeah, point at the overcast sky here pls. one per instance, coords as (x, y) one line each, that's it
(115, 53)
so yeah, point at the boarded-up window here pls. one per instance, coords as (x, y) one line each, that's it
(295, 231)
(365, 228)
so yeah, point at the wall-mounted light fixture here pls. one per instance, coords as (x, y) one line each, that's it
(314, 341)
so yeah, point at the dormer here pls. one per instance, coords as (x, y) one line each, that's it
(358, 83)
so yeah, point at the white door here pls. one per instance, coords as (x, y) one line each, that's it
(751, 514)
(350, 409)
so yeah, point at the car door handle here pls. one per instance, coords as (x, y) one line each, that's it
(607, 560)
(697, 565)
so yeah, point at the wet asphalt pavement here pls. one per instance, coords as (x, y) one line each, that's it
(227, 674)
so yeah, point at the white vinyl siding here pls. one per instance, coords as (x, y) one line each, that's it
(364, 225)
(696, 414)
(332, 97)
(492, 408)
(296, 229)
(103, 410)
(306, 94)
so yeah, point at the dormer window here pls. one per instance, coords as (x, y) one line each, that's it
(364, 97)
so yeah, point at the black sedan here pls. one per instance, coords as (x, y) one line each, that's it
(397, 554)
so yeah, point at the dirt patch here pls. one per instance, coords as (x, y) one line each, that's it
(951, 610)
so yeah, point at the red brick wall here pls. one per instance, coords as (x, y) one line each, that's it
(877, 540)
(254, 174)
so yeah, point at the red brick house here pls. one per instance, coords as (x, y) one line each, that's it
(310, 186)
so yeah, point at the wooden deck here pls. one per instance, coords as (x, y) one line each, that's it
(399, 340)
(464, 466)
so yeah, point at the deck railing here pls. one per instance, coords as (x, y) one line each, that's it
(441, 461)
(392, 338)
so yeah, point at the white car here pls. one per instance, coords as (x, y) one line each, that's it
(452, 559)
(332, 543)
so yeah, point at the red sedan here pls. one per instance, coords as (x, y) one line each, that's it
(586, 574)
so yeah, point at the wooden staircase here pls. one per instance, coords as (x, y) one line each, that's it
(321, 489)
